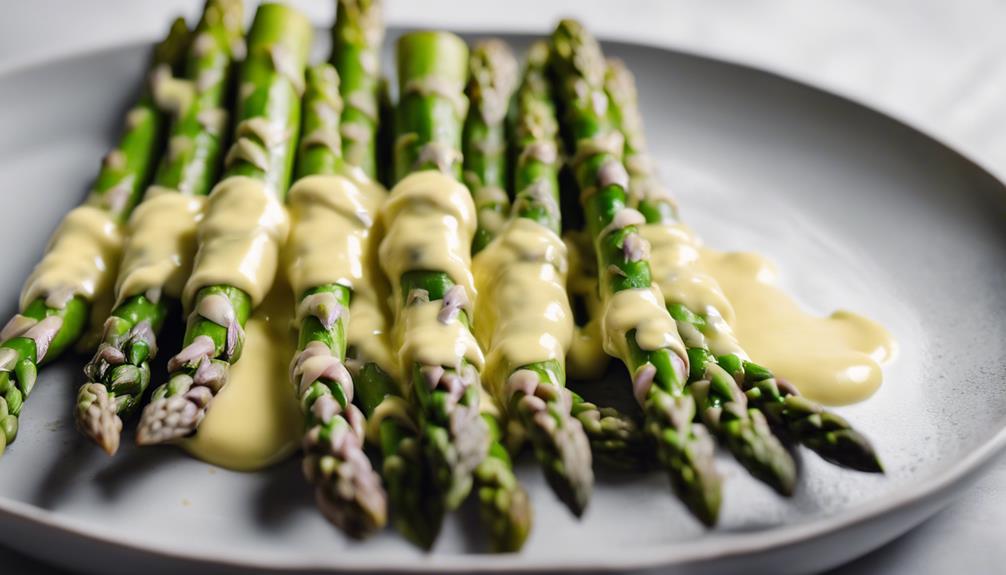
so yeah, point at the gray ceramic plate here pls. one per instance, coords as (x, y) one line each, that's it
(858, 210)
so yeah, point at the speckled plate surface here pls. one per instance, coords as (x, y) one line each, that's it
(858, 210)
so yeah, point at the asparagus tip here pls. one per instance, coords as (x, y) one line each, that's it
(419, 512)
(97, 417)
(167, 419)
(752, 442)
(562, 447)
(505, 506)
(347, 489)
(455, 453)
(686, 451)
(850, 449)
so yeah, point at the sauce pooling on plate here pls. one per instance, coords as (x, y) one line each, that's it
(835, 360)
(255, 421)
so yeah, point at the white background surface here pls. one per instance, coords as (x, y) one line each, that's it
(939, 66)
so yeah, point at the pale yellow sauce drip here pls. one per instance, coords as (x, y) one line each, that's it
(835, 360)
(255, 421)
(239, 239)
(642, 310)
(523, 311)
(161, 244)
(429, 220)
(81, 258)
(101, 308)
(674, 261)
(369, 331)
(331, 218)
(488, 404)
(586, 358)
(426, 340)
(370, 325)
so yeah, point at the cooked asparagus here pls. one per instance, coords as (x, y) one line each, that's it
(356, 51)
(504, 505)
(534, 393)
(492, 78)
(347, 488)
(725, 377)
(659, 366)
(55, 317)
(258, 168)
(432, 68)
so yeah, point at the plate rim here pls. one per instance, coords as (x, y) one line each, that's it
(679, 553)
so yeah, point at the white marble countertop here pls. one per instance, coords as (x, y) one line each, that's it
(938, 66)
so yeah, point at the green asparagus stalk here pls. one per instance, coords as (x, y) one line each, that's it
(616, 438)
(725, 380)
(684, 448)
(356, 51)
(492, 79)
(320, 150)
(538, 399)
(44, 329)
(119, 372)
(271, 81)
(347, 488)
(432, 69)
(357, 37)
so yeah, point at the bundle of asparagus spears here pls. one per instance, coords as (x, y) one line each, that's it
(434, 322)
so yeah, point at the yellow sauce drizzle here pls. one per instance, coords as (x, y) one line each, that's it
(586, 358)
(429, 220)
(332, 217)
(81, 258)
(333, 239)
(161, 244)
(239, 239)
(427, 341)
(523, 312)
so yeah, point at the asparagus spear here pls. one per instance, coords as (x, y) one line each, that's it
(536, 393)
(727, 378)
(357, 37)
(356, 51)
(119, 372)
(44, 328)
(491, 80)
(684, 448)
(432, 68)
(616, 438)
(505, 507)
(268, 114)
(394, 423)
(348, 490)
